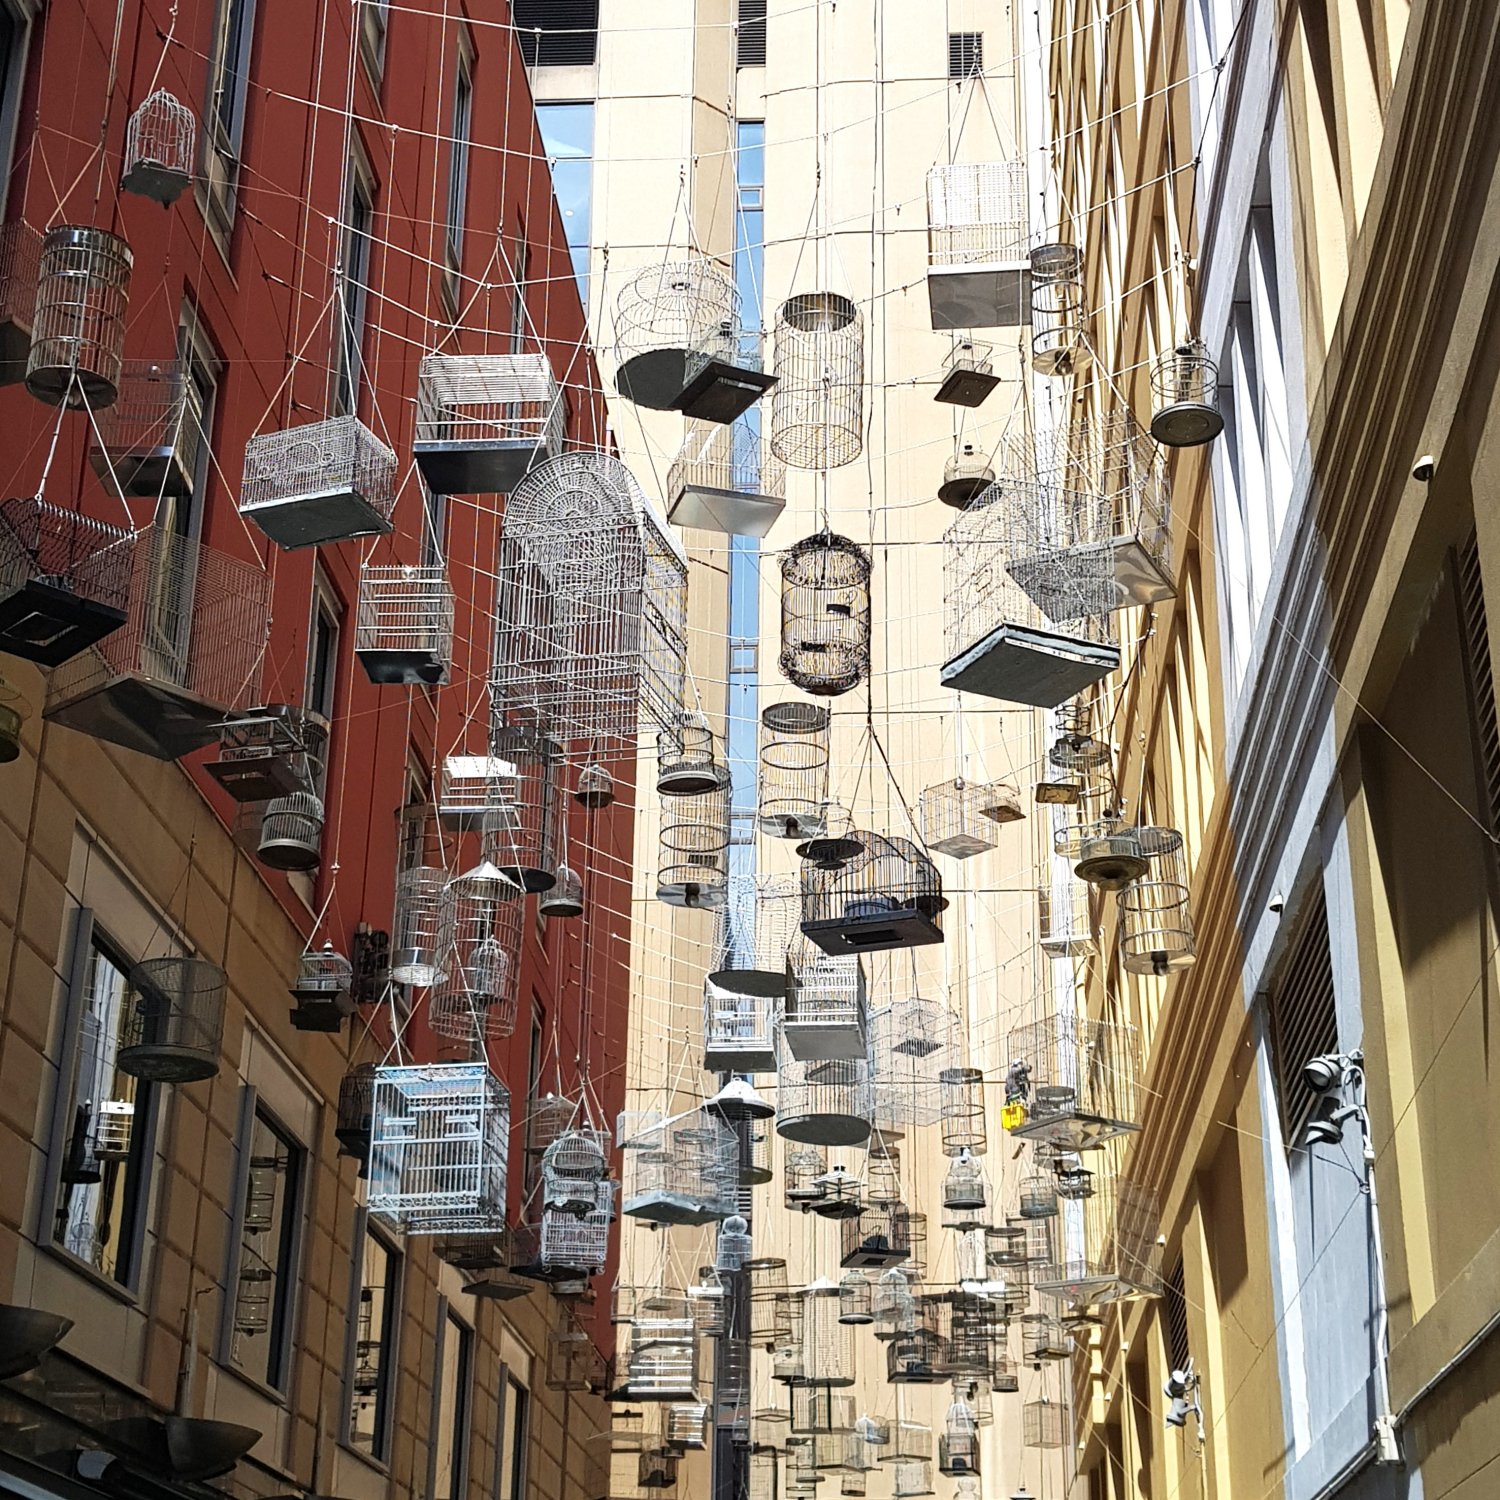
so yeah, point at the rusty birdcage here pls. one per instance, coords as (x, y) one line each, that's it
(78, 327)
(150, 439)
(793, 775)
(817, 408)
(403, 632)
(160, 142)
(726, 479)
(1075, 1079)
(978, 271)
(825, 614)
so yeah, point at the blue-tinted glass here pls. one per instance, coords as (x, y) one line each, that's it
(567, 129)
(568, 139)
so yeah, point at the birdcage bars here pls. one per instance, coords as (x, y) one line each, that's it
(889, 895)
(684, 1172)
(524, 831)
(78, 328)
(1185, 397)
(962, 818)
(353, 1119)
(1059, 342)
(958, 1443)
(595, 788)
(827, 1344)
(687, 1426)
(839, 1195)
(160, 140)
(968, 374)
(877, 1238)
(966, 476)
(422, 927)
(269, 752)
(825, 1014)
(770, 1319)
(476, 794)
(726, 479)
(566, 1246)
(914, 1226)
(912, 1042)
(176, 1022)
(662, 1359)
(149, 440)
(323, 989)
(963, 1111)
(1076, 1078)
(822, 1103)
(565, 899)
(687, 763)
(403, 633)
(1104, 1248)
(663, 314)
(1064, 923)
(1044, 1424)
(918, 1353)
(725, 374)
(1044, 1338)
(693, 865)
(964, 1191)
(476, 1001)
(825, 614)
(738, 1031)
(793, 769)
(573, 1363)
(291, 832)
(802, 1178)
(20, 263)
(856, 1299)
(755, 1153)
(573, 1165)
(817, 408)
(1038, 1196)
(978, 273)
(1156, 924)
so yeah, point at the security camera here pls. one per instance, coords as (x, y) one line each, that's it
(1422, 469)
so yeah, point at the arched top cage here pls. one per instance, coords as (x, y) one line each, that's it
(817, 408)
(160, 141)
(822, 1103)
(978, 273)
(323, 989)
(596, 787)
(803, 1170)
(1156, 925)
(1075, 1080)
(825, 614)
(687, 761)
(966, 476)
(565, 899)
(963, 818)
(352, 1121)
(573, 1165)
(662, 315)
(680, 1172)
(78, 322)
(1059, 338)
(913, 1041)
(592, 610)
(793, 773)
(889, 895)
(177, 1021)
(876, 1238)
(726, 479)
(692, 868)
(1185, 397)
(403, 633)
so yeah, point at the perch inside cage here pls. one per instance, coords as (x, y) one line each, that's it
(150, 440)
(662, 316)
(793, 770)
(1038, 1196)
(968, 374)
(1059, 344)
(403, 633)
(693, 866)
(726, 479)
(825, 614)
(1185, 391)
(726, 373)
(817, 408)
(962, 819)
(966, 476)
(291, 832)
(159, 145)
(269, 752)
(978, 273)
(177, 1021)
(323, 990)
(1074, 1079)
(1156, 924)
(78, 328)
(889, 895)
(687, 763)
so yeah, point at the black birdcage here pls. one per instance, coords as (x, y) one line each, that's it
(889, 895)
(322, 990)
(178, 1020)
(825, 614)
(352, 1125)
(878, 1238)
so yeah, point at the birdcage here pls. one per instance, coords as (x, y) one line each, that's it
(662, 1359)
(839, 1195)
(1064, 924)
(916, 1353)
(877, 1238)
(177, 1020)
(825, 1015)
(149, 441)
(1059, 339)
(889, 895)
(269, 752)
(755, 931)
(738, 1031)
(596, 787)
(573, 1165)
(882, 1170)
(793, 771)
(160, 140)
(962, 819)
(914, 1226)
(439, 1153)
(726, 479)
(964, 1191)
(856, 1299)
(78, 328)
(323, 990)
(1038, 1196)
(1156, 925)
(318, 483)
(664, 313)
(963, 1111)
(966, 476)
(656, 1469)
(403, 632)
(422, 928)
(291, 832)
(252, 1296)
(101, 1133)
(20, 262)
(525, 825)
(1077, 1080)
(565, 899)
(825, 614)
(476, 1000)
(693, 866)
(484, 421)
(562, 1247)
(733, 1249)
(686, 1426)
(1044, 1338)
(64, 580)
(769, 1322)
(978, 274)
(726, 373)
(912, 1042)
(1104, 1248)
(822, 1103)
(835, 843)
(968, 374)
(827, 1344)
(573, 1363)
(1185, 391)
(687, 764)
(755, 1153)
(1074, 1180)
(1044, 1424)
(958, 1443)
(817, 408)
(476, 794)
(679, 1172)
(803, 1171)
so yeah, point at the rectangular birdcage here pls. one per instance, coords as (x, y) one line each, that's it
(969, 374)
(963, 818)
(1104, 1247)
(439, 1147)
(573, 1363)
(270, 751)
(912, 1043)
(484, 421)
(477, 793)
(680, 1172)
(1075, 1079)
(725, 373)
(978, 270)
(738, 1031)
(726, 479)
(149, 440)
(826, 1012)
(876, 1238)
(190, 651)
(403, 631)
(20, 262)
(662, 1358)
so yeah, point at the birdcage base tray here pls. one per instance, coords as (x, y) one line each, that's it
(488, 466)
(658, 1207)
(1072, 1131)
(966, 387)
(874, 931)
(816, 1041)
(302, 855)
(722, 392)
(762, 984)
(403, 668)
(1158, 962)
(734, 512)
(322, 1015)
(1092, 1287)
(144, 472)
(961, 493)
(500, 1286)
(257, 778)
(141, 714)
(832, 1129)
(317, 518)
(63, 385)
(961, 846)
(164, 1062)
(46, 624)
(655, 379)
(1021, 664)
(1186, 424)
(1064, 584)
(990, 294)
(739, 1058)
(155, 180)
(1069, 946)
(873, 1255)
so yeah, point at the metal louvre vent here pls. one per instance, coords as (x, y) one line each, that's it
(965, 53)
(1304, 1023)
(557, 33)
(1175, 1319)
(1475, 626)
(750, 46)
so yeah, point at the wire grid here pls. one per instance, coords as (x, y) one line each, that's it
(573, 1363)
(43, 542)
(1059, 311)
(686, 1425)
(572, 1168)
(477, 1000)
(822, 1102)
(150, 437)
(963, 1119)
(685, 1172)
(826, 1011)
(78, 327)
(825, 614)
(912, 1043)
(439, 1150)
(176, 1024)
(473, 400)
(878, 1237)
(406, 612)
(422, 926)
(693, 853)
(577, 1242)
(1077, 1078)
(592, 613)
(355, 1102)
(962, 818)
(523, 834)
(20, 266)
(1064, 922)
(663, 314)
(1185, 376)
(662, 1359)
(728, 343)
(976, 212)
(475, 793)
(793, 769)
(1104, 1247)
(827, 1344)
(1156, 925)
(160, 139)
(888, 895)
(1038, 1196)
(1044, 1424)
(817, 406)
(715, 462)
(305, 465)
(754, 933)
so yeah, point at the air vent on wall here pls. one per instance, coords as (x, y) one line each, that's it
(557, 33)
(965, 53)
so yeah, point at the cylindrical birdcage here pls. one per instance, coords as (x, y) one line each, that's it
(565, 899)
(962, 818)
(823, 1103)
(476, 1000)
(687, 764)
(291, 832)
(882, 1170)
(825, 614)
(1185, 392)
(827, 1344)
(1043, 1338)
(964, 1190)
(817, 408)
(755, 1153)
(662, 315)
(422, 929)
(526, 833)
(733, 1251)
(596, 787)
(1038, 1196)
(802, 1173)
(1156, 926)
(878, 1238)
(159, 141)
(770, 1321)
(914, 1226)
(1044, 1424)
(1058, 342)
(755, 932)
(966, 476)
(793, 770)
(177, 1022)
(963, 1111)
(693, 868)
(352, 1126)
(856, 1299)
(78, 330)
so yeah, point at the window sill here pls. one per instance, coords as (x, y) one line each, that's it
(80, 1267)
(379, 1465)
(260, 1387)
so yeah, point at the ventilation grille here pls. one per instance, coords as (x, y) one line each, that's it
(1175, 1319)
(965, 53)
(1304, 1022)
(557, 33)
(1481, 677)
(750, 48)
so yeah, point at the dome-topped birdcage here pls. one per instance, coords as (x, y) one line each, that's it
(177, 1021)
(963, 818)
(160, 138)
(592, 607)
(572, 1167)
(968, 373)
(1156, 925)
(693, 862)
(1075, 1079)
(966, 476)
(1185, 392)
(323, 990)
(793, 775)
(822, 1103)
(826, 1010)
(681, 1171)
(477, 1000)
(818, 406)
(735, 1246)
(565, 899)
(1109, 853)
(825, 614)
(964, 1191)
(958, 1443)
(1059, 340)
(1038, 1196)
(913, 1041)
(664, 313)
(596, 787)
(687, 763)
(889, 895)
(978, 274)
(726, 479)
(291, 832)
(403, 633)
(78, 328)
(856, 1299)
(963, 1111)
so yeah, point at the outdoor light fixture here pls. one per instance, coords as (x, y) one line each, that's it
(1330, 1069)
(1326, 1128)
(1181, 1390)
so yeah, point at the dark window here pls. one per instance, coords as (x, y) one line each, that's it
(458, 161)
(451, 1431)
(750, 37)
(513, 1449)
(374, 1330)
(557, 33)
(355, 257)
(374, 22)
(1175, 1319)
(323, 652)
(1304, 1022)
(965, 53)
(228, 77)
(1481, 673)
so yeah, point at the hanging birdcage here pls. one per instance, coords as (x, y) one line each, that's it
(733, 1250)
(1065, 926)
(825, 614)
(1156, 925)
(1076, 1079)
(1185, 392)
(1075, 1181)
(726, 372)
(150, 439)
(101, 1134)
(827, 1344)
(916, 1354)
(596, 787)
(686, 1426)
(160, 139)
(1038, 1198)
(20, 261)
(856, 1299)
(803, 1170)
(964, 1191)
(738, 1031)
(838, 1194)
(270, 752)
(793, 772)
(561, 1248)
(661, 1362)
(1005, 1377)
(78, 329)
(573, 1165)
(565, 899)
(836, 842)
(484, 421)
(962, 819)
(978, 274)
(319, 483)
(822, 1103)
(687, 764)
(882, 1170)
(817, 408)
(663, 314)
(913, 1226)
(958, 1444)
(352, 1124)
(291, 832)
(177, 1021)
(826, 1011)
(679, 1172)
(65, 580)
(1043, 1338)
(1110, 854)
(422, 928)
(693, 867)
(525, 831)
(477, 794)
(573, 1363)
(1044, 1424)
(963, 1111)
(769, 1317)
(966, 476)
(1104, 1248)
(403, 633)
(476, 1001)
(754, 934)
(877, 1238)
(1059, 340)
(968, 374)
(755, 1154)
(439, 1150)
(323, 990)
(912, 1042)
(656, 1469)
(889, 895)
(726, 479)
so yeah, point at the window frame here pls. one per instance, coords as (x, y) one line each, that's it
(460, 150)
(366, 1231)
(348, 371)
(374, 33)
(513, 1423)
(448, 1323)
(223, 145)
(23, 14)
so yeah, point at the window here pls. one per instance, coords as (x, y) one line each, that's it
(321, 687)
(515, 1416)
(107, 1120)
(750, 35)
(354, 262)
(965, 53)
(520, 267)
(1481, 674)
(413, 815)
(557, 33)
(434, 526)
(458, 163)
(15, 42)
(374, 19)
(450, 1427)
(568, 139)
(1304, 1022)
(228, 75)
(263, 1290)
(372, 1368)
(1175, 1319)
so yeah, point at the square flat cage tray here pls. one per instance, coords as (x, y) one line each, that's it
(709, 508)
(993, 294)
(1025, 664)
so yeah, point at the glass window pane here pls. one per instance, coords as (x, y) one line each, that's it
(370, 1382)
(263, 1292)
(452, 1425)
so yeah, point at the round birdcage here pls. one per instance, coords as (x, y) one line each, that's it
(686, 762)
(856, 1299)
(1110, 854)
(963, 1111)
(966, 476)
(355, 1110)
(159, 142)
(964, 1191)
(177, 1022)
(912, 1227)
(803, 1169)
(476, 1000)
(755, 931)
(78, 328)
(1185, 392)
(755, 1154)
(693, 869)
(322, 989)
(825, 614)
(422, 935)
(565, 899)
(817, 407)
(770, 1320)
(1156, 925)
(1038, 1198)
(596, 787)
(662, 315)
(1075, 1182)
(823, 1103)
(837, 842)
(1058, 342)
(291, 833)
(793, 770)
(883, 1170)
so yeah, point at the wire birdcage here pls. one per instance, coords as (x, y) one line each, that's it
(964, 1191)
(476, 1001)
(913, 1041)
(1059, 339)
(679, 1172)
(440, 1146)
(422, 927)
(1103, 1248)
(978, 274)
(687, 763)
(1185, 391)
(321, 482)
(958, 1443)
(734, 1247)
(1044, 1338)
(564, 1247)
(149, 440)
(1074, 1181)
(78, 328)
(738, 1030)
(769, 1321)
(726, 373)
(686, 1426)
(963, 1111)
(485, 420)
(825, 1014)
(353, 1119)
(323, 989)
(968, 374)
(1076, 1080)
(596, 787)
(693, 863)
(476, 794)
(877, 1238)
(565, 899)
(663, 314)
(525, 831)
(1156, 925)
(656, 1469)
(269, 752)
(825, 614)
(839, 1194)
(882, 1170)
(20, 262)
(822, 1103)
(1038, 1199)
(889, 895)
(793, 770)
(1065, 926)
(573, 1165)
(856, 1299)
(726, 479)
(176, 1023)
(661, 1362)
(962, 818)
(160, 141)
(827, 1344)
(802, 1178)
(573, 1363)
(755, 932)
(916, 1354)
(291, 832)
(966, 476)
(817, 408)
(403, 633)
(1044, 1424)
(755, 1153)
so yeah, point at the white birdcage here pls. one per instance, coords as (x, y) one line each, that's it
(573, 1165)
(1156, 925)
(964, 1191)
(687, 763)
(661, 1361)
(826, 1011)
(963, 1111)
(524, 836)
(966, 476)
(962, 818)
(484, 421)
(564, 1246)
(439, 1147)
(888, 895)
(817, 408)
(177, 1022)
(321, 482)
(403, 631)
(150, 439)
(686, 1426)
(477, 794)
(422, 927)
(663, 314)
(323, 990)
(679, 1171)
(1044, 1424)
(592, 608)
(1185, 392)
(1065, 926)
(793, 774)
(802, 1178)
(291, 832)
(968, 374)
(1103, 1248)
(477, 1000)
(1075, 1079)
(978, 271)
(913, 1041)
(726, 479)
(754, 935)
(693, 863)
(738, 1030)
(958, 1444)
(78, 327)
(825, 614)
(827, 1343)
(160, 141)
(823, 1102)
